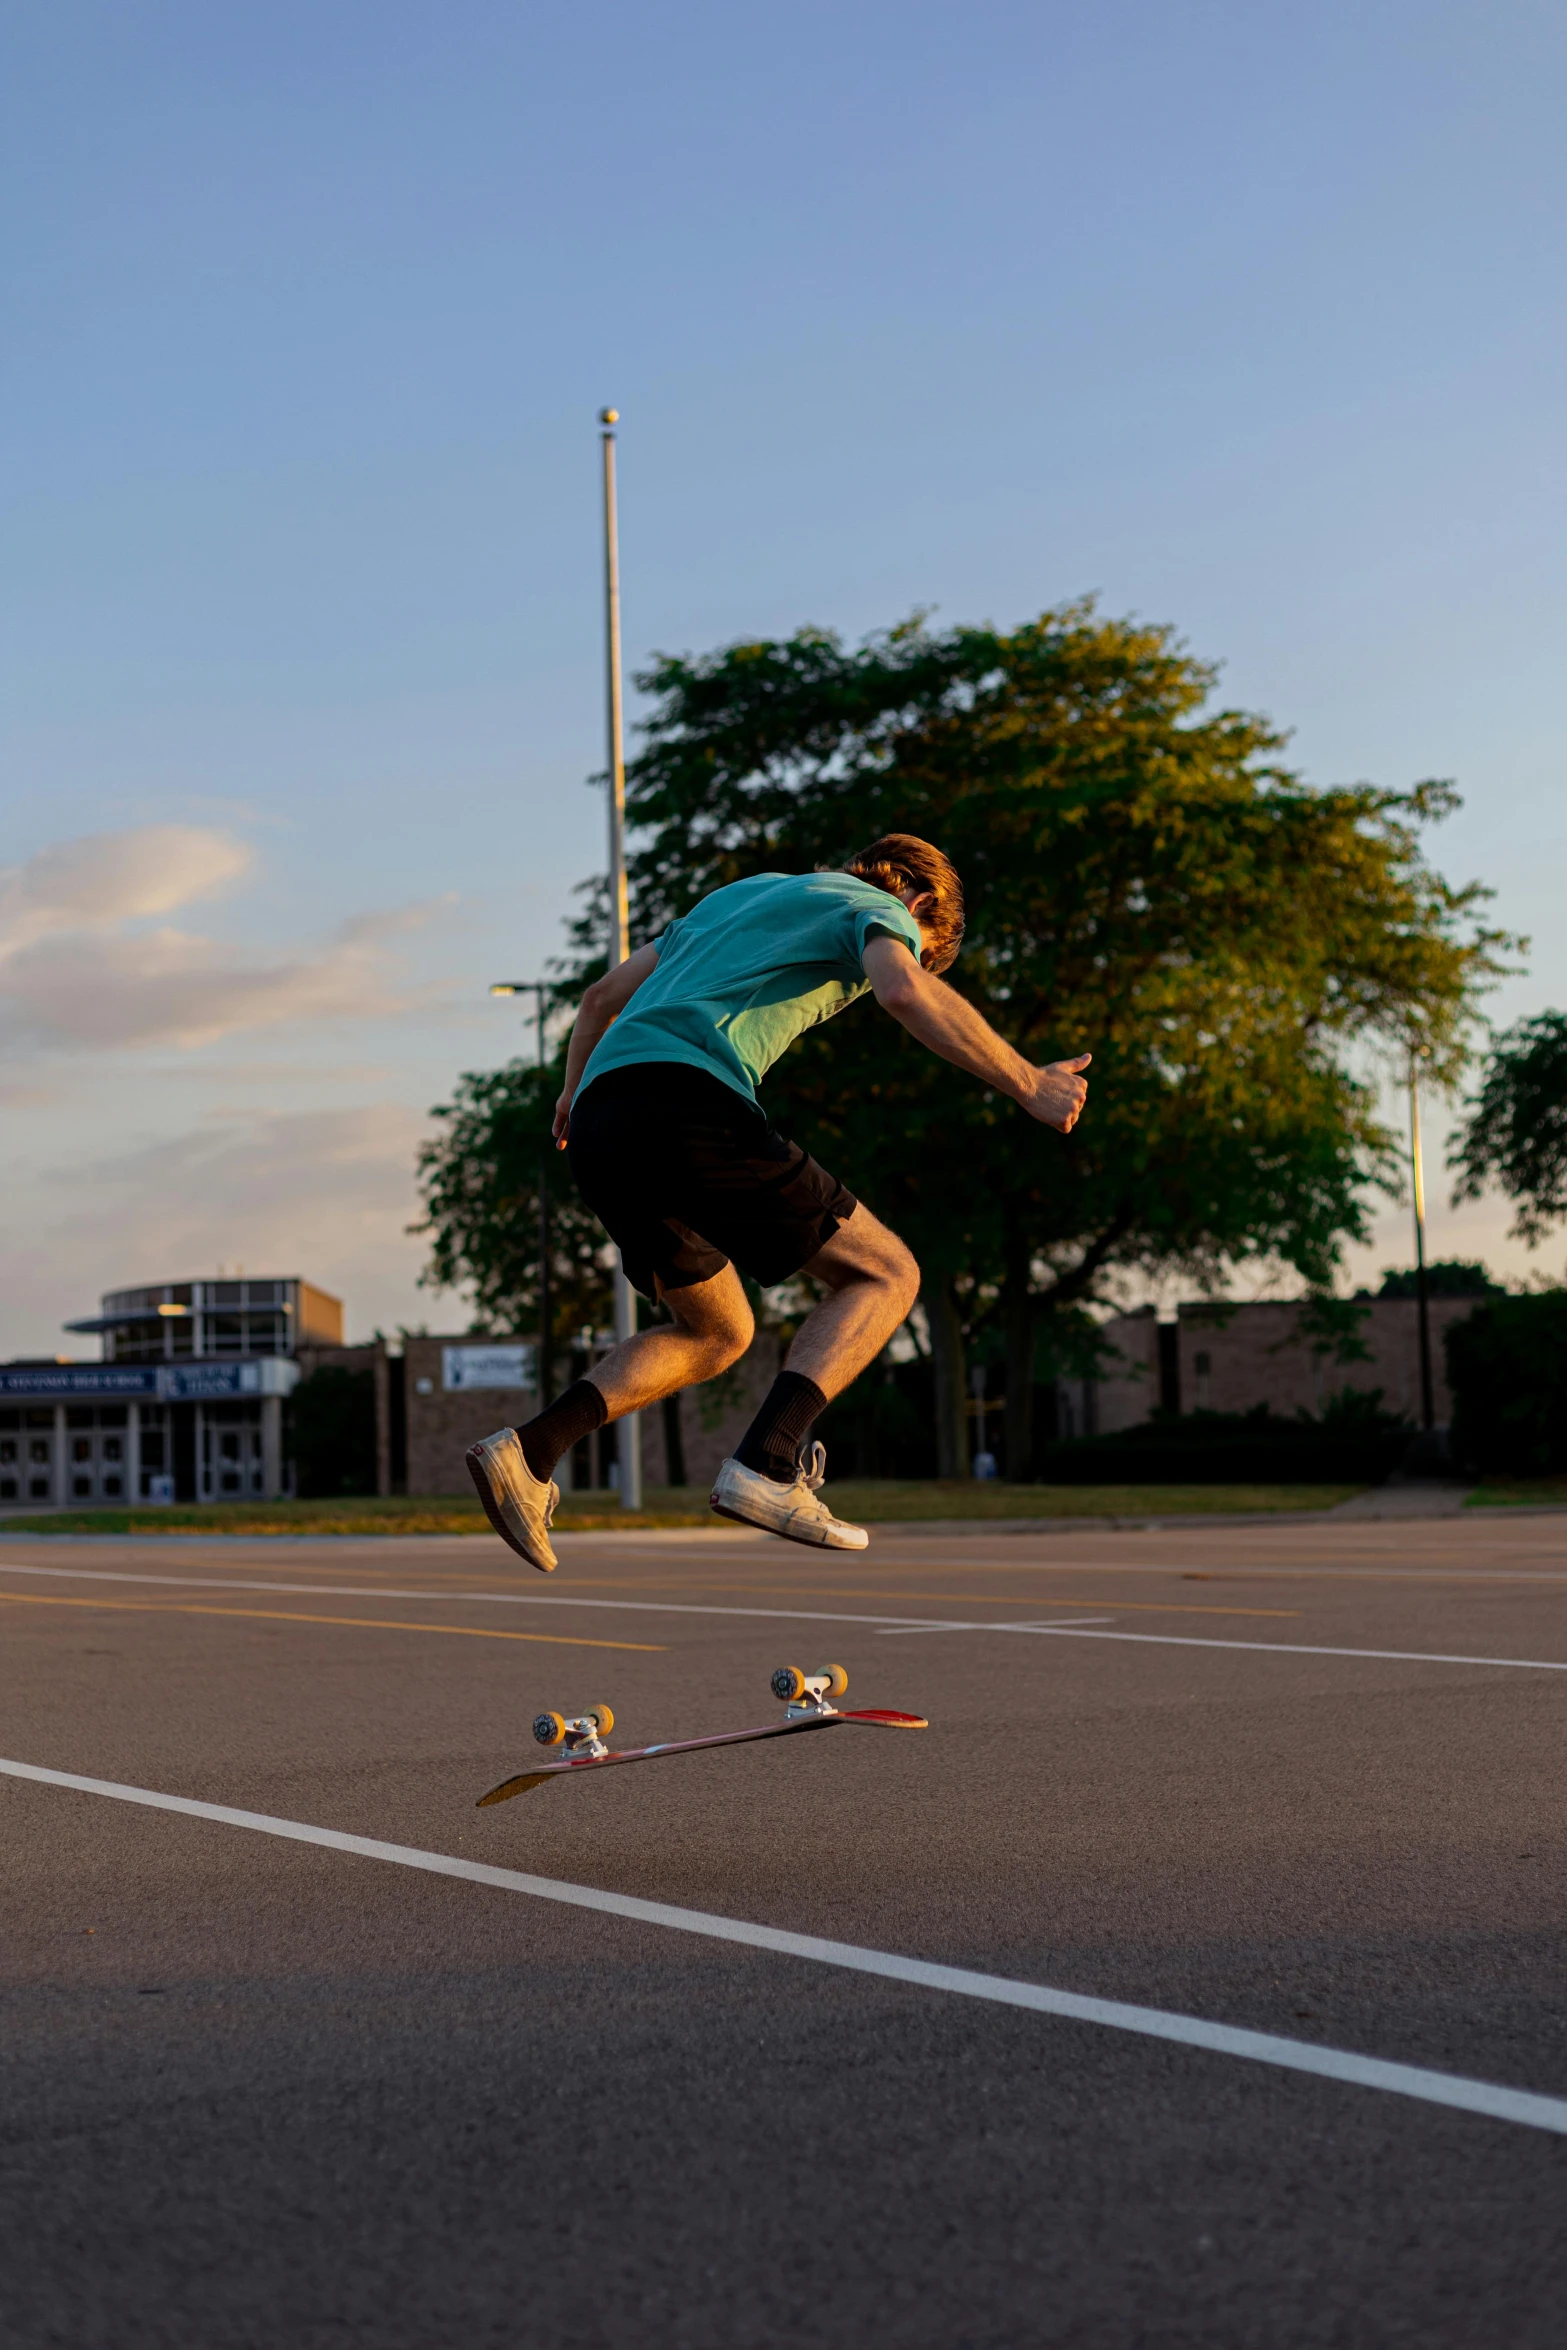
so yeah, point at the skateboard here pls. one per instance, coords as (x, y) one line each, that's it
(805, 1697)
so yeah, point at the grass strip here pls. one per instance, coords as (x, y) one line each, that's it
(881, 1502)
(1502, 1493)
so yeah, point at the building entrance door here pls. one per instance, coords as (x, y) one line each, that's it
(27, 1453)
(96, 1444)
(229, 1451)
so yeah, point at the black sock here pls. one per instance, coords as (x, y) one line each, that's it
(772, 1443)
(569, 1418)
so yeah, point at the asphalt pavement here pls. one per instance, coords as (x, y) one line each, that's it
(275, 2092)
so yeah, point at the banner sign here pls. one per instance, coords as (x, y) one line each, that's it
(164, 1382)
(486, 1366)
(67, 1379)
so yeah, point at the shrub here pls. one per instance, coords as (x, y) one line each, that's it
(1355, 1442)
(332, 1417)
(1507, 1366)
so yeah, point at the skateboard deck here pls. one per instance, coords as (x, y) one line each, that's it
(806, 1696)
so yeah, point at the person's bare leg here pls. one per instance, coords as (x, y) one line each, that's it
(773, 1478)
(711, 1330)
(872, 1281)
(513, 1470)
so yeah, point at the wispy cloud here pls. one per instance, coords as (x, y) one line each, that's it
(112, 877)
(85, 963)
(325, 1193)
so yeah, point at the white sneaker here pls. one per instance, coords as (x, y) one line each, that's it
(518, 1505)
(795, 1511)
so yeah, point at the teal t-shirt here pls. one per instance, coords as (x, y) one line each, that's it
(748, 970)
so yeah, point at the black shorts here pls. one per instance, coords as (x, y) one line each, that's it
(659, 1145)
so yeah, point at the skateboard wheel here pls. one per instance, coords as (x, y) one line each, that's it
(788, 1683)
(837, 1679)
(549, 1729)
(604, 1718)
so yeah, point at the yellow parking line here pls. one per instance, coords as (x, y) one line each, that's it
(273, 1615)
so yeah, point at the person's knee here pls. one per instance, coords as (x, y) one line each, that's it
(903, 1274)
(726, 1345)
(721, 1328)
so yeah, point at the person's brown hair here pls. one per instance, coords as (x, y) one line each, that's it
(899, 861)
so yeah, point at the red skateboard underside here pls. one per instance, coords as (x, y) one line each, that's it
(873, 1718)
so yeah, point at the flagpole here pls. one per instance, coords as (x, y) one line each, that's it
(628, 1431)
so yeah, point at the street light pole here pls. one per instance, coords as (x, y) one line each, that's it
(1422, 1300)
(628, 1431)
(538, 990)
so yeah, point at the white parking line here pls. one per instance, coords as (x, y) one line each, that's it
(1403, 1656)
(782, 1615)
(1333, 2064)
(1063, 1624)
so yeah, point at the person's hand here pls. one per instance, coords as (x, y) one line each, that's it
(1059, 1093)
(562, 1121)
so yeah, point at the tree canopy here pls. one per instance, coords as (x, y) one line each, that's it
(1515, 1133)
(479, 1176)
(1146, 881)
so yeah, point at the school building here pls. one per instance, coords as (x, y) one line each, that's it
(186, 1404)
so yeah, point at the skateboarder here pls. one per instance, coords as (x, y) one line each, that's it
(675, 1156)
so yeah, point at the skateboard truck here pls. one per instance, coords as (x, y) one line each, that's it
(582, 1738)
(807, 1694)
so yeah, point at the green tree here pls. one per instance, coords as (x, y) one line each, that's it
(332, 1432)
(479, 1179)
(1146, 881)
(1515, 1134)
(1447, 1277)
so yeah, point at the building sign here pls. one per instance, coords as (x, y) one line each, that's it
(79, 1379)
(486, 1366)
(160, 1382)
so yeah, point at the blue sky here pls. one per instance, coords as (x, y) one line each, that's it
(1247, 318)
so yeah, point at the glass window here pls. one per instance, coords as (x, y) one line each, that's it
(7, 1489)
(113, 1415)
(79, 1416)
(81, 1487)
(136, 1342)
(7, 1448)
(112, 1486)
(41, 1416)
(38, 1489)
(10, 1419)
(81, 1448)
(111, 1448)
(152, 1448)
(226, 1332)
(38, 1449)
(225, 1293)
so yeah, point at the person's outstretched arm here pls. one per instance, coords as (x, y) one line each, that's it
(941, 1019)
(600, 1007)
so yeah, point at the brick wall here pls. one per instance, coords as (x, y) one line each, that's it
(1263, 1356)
(1232, 1359)
(1127, 1389)
(443, 1423)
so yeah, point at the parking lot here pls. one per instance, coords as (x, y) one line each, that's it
(1254, 1834)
